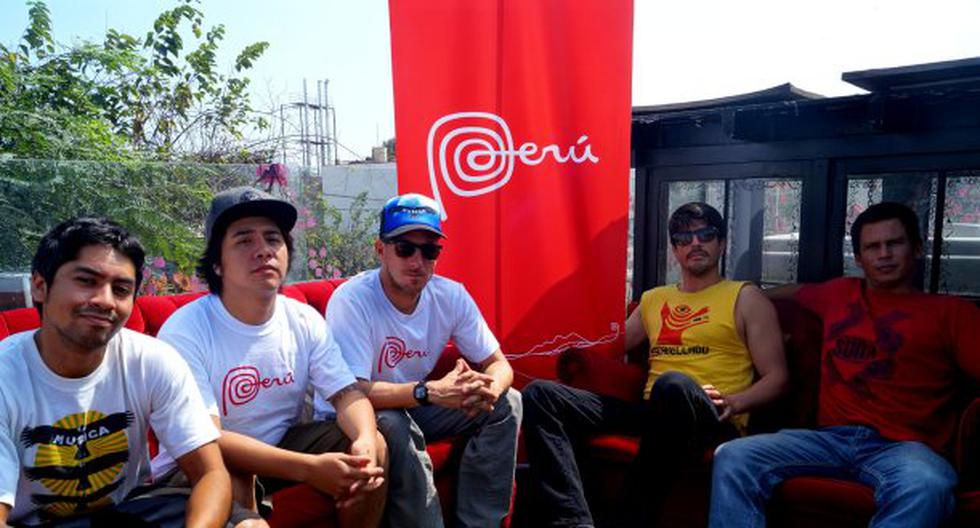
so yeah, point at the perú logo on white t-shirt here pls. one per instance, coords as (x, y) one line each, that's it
(242, 384)
(393, 351)
(474, 154)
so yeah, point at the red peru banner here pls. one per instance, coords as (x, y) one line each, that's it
(515, 116)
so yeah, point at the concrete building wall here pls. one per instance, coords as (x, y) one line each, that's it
(343, 183)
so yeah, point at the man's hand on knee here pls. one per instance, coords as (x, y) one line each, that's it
(342, 476)
(374, 449)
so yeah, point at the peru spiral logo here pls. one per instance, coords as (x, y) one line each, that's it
(393, 351)
(473, 153)
(470, 150)
(240, 386)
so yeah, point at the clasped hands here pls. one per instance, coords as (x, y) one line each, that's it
(465, 389)
(348, 477)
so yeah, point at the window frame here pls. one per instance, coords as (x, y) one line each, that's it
(822, 208)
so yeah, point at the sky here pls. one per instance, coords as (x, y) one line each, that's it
(684, 50)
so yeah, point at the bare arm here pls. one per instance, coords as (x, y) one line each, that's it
(498, 368)
(461, 388)
(210, 501)
(758, 325)
(355, 416)
(356, 419)
(386, 395)
(331, 473)
(635, 332)
(4, 514)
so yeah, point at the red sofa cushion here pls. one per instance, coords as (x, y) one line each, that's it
(816, 501)
(155, 309)
(316, 294)
(18, 320)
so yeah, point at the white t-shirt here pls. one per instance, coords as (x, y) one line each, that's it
(254, 377)
(381, 343)
(82, 443)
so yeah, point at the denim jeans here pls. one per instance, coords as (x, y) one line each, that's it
(913, 486)
(486, 469)
(675, 423)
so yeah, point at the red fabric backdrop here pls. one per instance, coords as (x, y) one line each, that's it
(515, 115)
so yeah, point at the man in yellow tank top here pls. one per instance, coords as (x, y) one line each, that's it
(709, 338)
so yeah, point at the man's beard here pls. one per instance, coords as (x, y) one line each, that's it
(700, 268)
(95, 339)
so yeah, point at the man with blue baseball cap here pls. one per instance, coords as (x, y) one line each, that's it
(392, 324)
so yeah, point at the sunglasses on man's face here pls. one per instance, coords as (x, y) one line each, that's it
(406, 249)
(684, 238)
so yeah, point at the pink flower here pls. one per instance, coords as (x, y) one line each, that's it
(311, 222)
(159, 263)
(323, 252)
(311, 253)
(335, 274)
(271, 174)
(313, 264)
(318, 272)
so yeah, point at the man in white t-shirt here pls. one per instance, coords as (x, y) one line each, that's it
(77, 398)
(254, 352)
(392, 325)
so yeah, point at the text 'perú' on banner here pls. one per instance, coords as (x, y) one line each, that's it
(515, 116)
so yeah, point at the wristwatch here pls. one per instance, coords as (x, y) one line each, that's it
(421, 393)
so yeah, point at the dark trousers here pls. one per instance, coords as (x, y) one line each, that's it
(674, 425)
(313, 438)
(155, 506)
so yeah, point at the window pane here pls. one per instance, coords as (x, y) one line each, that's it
(763, 230)
(914, 189)
(959, 264)
(711, 192)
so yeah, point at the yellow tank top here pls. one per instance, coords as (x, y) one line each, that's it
(695, 334)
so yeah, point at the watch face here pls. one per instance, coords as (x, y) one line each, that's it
(421, 393)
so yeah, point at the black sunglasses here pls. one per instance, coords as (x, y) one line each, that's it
(684, 238)
(405, 249)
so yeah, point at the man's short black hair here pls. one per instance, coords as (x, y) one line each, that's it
(880, 212)
(212, 257)
(64, 241)
(682, 218)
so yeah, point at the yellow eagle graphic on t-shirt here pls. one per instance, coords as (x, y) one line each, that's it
(79, 459)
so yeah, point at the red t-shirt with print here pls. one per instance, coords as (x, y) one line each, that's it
(890, 360)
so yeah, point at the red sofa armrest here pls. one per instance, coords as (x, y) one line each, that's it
(588, 371)
(966, 449)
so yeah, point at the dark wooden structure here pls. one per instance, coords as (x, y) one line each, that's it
(914, 119)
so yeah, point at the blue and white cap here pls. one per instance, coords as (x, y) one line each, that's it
(410, 212)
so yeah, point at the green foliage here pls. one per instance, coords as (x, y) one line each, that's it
(123, 98)
(121, 105)
(163, 204)
(339, 247)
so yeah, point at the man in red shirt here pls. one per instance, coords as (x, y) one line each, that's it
(890, 356)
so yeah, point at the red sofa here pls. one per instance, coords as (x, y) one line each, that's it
(299, 505)
(798, 502)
